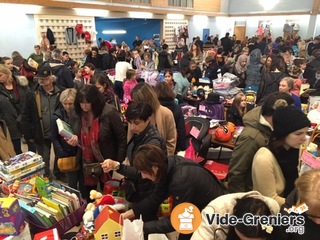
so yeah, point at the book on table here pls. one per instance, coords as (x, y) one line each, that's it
(20, 161)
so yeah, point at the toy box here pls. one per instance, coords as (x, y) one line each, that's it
(24, 235)
(11, 217)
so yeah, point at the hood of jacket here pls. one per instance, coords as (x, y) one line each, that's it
(255, 56)
(252, 119)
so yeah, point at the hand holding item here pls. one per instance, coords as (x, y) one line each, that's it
(73, 141)
(128, 214)
(109, 165)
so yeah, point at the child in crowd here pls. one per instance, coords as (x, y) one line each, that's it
(129, 84)
(78, 79)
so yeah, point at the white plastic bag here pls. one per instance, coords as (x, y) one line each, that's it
(132, 230)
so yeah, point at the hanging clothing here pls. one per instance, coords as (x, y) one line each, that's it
(71, 36)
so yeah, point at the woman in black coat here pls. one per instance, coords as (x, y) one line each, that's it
(183, 179)
(61, 148)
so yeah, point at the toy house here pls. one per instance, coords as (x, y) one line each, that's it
(108, 225)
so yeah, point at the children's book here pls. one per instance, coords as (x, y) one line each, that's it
(20, 161)
(64, 129)
(21, 173)
(52, 204)
(31, 213)
(43, 187)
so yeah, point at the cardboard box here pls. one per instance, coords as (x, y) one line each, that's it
(11, 217)
(24, 235)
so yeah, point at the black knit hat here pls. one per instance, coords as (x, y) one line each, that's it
(287, 120)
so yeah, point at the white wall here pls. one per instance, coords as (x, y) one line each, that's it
(217, 25)
(18, 31)
(263, 6)
(277, 23)
(221, 25)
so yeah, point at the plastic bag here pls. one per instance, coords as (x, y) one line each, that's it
(132, 230)
(190, 151)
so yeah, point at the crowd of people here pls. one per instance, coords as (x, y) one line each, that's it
(141, 142)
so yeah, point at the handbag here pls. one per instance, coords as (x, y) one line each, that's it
(68, 164)
(92, 169)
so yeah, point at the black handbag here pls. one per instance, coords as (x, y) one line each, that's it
(93, 169)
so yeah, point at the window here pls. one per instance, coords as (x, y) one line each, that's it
(181, 3)
(117, 234)
(104, 236)
(138, 1)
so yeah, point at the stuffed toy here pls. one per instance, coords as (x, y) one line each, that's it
(100, 199)
(88, 215)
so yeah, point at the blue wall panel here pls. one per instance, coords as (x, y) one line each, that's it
(141, 27)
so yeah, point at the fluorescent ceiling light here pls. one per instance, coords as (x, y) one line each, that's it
(140, 14)
(175, 16)
(91, 12)
(114, 31)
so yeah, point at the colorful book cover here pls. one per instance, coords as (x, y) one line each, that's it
(19, 161)
(43, 187)
(52, 204)
(64, 129)
(10, 177)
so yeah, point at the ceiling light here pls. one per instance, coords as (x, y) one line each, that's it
(140, 14)
(91, 12)
(114, 32)
(175, 16)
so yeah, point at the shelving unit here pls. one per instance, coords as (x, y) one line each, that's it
(58, 25)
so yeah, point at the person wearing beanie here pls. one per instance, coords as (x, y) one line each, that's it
(256, 133)
(275, 167)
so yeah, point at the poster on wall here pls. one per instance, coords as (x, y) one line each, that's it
(264, 29)
(156, 36)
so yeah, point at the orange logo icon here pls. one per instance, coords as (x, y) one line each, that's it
(185, 218)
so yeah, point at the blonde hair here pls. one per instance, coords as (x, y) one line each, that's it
(289, 81)
(308, 185)
(6, 71)
(68, 93)
(143, 92)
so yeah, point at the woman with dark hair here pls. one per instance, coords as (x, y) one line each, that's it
(139, 116)
(279, 161)
(162, 118)
(104, 85)
(237, 204)
(167, 98)
(176, 176)
(99, 130)
(168, 77)
(95, 58)
(271, 80)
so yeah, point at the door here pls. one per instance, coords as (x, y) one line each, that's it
(205, 34)
(240, 32)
